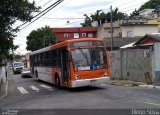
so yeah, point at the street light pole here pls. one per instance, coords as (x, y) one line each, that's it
(111, 30)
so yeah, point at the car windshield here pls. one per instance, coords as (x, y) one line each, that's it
(89, 59)
(18, 64)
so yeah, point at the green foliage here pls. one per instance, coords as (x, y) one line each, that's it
(10, 12)
(151, 4)
(134, 13)
(40, 38)
(101, 16)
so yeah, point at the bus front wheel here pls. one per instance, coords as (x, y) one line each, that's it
(57, 82)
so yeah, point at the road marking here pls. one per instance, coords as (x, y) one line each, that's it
(147, 86)
(158, 87)
(22, 90)
(34, 88)
(46, 87)
(155, 104)
(102, 84)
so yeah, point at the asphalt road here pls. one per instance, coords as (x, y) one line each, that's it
(26, 93)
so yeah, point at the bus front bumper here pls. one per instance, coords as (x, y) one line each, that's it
(87, 82)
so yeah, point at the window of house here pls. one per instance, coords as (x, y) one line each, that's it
(76, 35)
(129, 34)
(83, 34)
(90, 35)
(66, 35)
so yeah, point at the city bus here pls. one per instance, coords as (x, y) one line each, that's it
(72, 63)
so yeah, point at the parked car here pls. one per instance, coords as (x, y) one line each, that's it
(26, 72)
(17, 67)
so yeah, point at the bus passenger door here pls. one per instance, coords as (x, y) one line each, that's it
(65, 67)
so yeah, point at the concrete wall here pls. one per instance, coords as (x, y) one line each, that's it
(2, 74)
(157, 62)
(135, 63)
(115, 66)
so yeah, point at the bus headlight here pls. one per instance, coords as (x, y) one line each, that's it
(105, 74)
(77, 77)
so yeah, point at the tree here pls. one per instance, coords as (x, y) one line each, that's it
(134, 13)
(99, 15)
(151, 4)
(10, 12)
(40, 38)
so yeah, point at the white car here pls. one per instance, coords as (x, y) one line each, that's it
(17, 67)
(26, 72)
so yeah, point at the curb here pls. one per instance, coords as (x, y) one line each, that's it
(150, 86)
(6, 91)
(131, 85)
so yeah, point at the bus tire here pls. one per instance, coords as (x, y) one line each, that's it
(57, 82)
(36, 73)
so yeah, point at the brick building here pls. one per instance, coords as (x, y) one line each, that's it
(74, 32)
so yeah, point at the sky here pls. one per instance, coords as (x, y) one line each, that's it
(72, 11)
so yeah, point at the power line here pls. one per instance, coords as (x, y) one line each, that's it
(42, 11)
(47, 3)
(46, 11)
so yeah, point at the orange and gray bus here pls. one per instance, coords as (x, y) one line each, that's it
(72, 63)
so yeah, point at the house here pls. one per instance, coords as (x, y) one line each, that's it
(152, 16)
(147, 13)
(74, 33)
(104, 30)
(139, 61)
(138, 30)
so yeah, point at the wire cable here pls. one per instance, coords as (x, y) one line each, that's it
(42, 12)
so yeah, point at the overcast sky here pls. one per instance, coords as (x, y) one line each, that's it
(69, 10)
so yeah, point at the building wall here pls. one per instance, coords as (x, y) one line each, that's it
(139, 30)
(104, 30)
(154, 21)
(157, 62)
(115, 66)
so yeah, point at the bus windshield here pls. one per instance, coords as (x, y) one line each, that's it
(89, 59)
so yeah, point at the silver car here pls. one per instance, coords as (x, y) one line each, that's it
(26, 72)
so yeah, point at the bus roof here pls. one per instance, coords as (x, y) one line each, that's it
(64, 44)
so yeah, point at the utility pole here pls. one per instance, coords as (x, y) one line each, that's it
(111, 30)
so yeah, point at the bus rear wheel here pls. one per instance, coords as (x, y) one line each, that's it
(37, 79)
(57, 82)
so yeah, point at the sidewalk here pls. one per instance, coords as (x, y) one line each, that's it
(3, 89)
(132, 84)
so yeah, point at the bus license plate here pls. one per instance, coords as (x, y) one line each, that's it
(92, 81)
